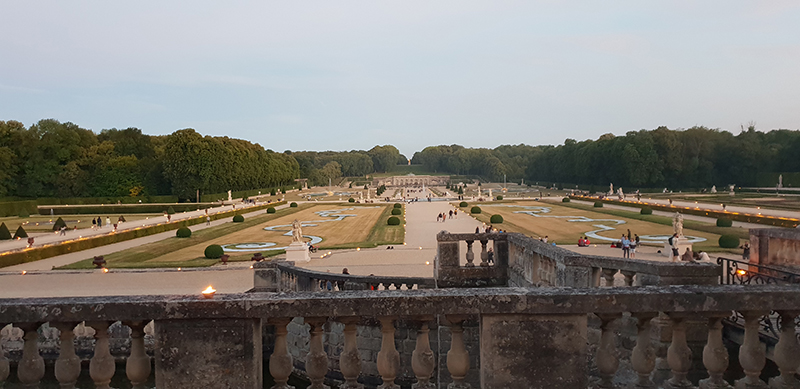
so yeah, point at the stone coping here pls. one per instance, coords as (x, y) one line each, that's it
(118, 270)
(288, 267)
(783, 233)
(679, 300)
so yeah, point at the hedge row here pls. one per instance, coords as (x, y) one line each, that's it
(246, 193)
(14, 208)
(741, 217)
(123, 208)
(29, 255)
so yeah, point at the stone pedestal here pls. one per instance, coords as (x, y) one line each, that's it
(683, 244)
(297, 252)
(208, 353)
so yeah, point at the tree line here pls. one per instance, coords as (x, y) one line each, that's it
(693, 158)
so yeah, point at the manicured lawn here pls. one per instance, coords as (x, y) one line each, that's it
(42, 223)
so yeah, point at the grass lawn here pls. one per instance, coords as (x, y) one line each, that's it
(43, 223)
(563, 231)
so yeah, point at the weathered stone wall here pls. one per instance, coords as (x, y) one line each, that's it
(778, 247)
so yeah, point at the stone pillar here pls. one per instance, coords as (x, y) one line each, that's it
(101, 366)
(786, 354)
(266, 277)
(209, 353)
(137, 367)
(608, 276)
(533, 351)
(484, 253)
(607, 359)
(350, 360)
(280, 363)
(422, 360)
(643, 357)
(388, 357)
(501, 257)
(715, 356)
(628, 277)
(752, 353)
(68, 365)
(5, 369)
(470, 254)
(679, 355)
(30, 369)
(457, 357)
(317, 359)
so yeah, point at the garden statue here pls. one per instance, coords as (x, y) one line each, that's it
(713, 189)
(677, 224)
(297, 232)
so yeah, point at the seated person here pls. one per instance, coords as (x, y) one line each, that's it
(687, 256)
(586, 241)
(701, 256)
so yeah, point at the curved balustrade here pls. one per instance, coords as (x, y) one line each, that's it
(542, 330)
(735, 271)
(303, 280)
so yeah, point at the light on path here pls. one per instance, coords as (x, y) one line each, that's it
(209, 292)
(24, 272)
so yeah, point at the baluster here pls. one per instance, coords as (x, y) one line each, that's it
(5, 369)
(786, 353)
(101, 366)
(316, 360)
(715, 356)
(470, 254)
(608, 276)
(280, 363)
(31, 367)
(606, 359)
(643, 357)
(752, 353)
(349, 359)
(137, 368)
(68, 365)
(457, 357)
(388, 357)
(628, 276)
(422, 361)
(679, 355)
(484, 253)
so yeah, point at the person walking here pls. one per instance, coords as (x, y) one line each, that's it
(745, 251)
(208, 220)
(673, 243)
(626, 246)
(94, 223)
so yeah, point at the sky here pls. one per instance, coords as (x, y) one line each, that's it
(343, 75)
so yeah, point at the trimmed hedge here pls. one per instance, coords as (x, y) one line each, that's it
(20, 233)
(58, 224)
(183, 232)
(393, 221)
(271, 210)
(351, 200)
(10, 258)
(565, 200)
(496, 219)
(499, 197)
(170, 210)
(724, 222)
(397, 211)
(463, 204)
(214, 251)
(475, 209)
(119, 208)
(598, 204)
(646, 211)
(5, 234)
(398, 205)
(293, 205)
(24, 213)
(238, 219)
(729, 241)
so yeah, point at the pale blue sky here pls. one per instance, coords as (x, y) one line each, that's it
(318, 75)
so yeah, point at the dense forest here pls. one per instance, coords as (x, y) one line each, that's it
(692, 158)
(53, 159)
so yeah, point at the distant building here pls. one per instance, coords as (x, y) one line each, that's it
(410, 180)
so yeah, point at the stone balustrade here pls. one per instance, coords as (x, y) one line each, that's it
(296, 279)
(529, 337)
(524, 261)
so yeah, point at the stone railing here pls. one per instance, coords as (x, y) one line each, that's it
(524, 261)
(528, 337)
(296, 279)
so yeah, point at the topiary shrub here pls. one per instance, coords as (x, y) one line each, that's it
(351, 200)
(5, 234)
(24, 213)
(499, 197)
(58, 224)
(293, 205)
(397, 211)
(565, 200)
(496, 219)
(398, 205)
(393, 221)
(20, 233)
(183, 232)
(170, 210)
(238, 218)
(598, 204)
(475, 209)
(214, 251)
(724, 222)
(271, 210)
(463, 204)
(272, 192)
(729, 241)
(646, 211)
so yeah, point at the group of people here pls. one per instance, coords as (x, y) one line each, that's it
(98, 223)
(628, 245)
(444, 216)
(583, 242)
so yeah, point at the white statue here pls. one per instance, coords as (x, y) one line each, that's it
(713, 189)
(620, 194)
(677, 224)
(297, 232)
(229, 196)
(780, 181)
(610, 189)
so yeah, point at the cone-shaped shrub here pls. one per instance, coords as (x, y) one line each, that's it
(20, 233)
(5, 234)
(58, 224)
(170, 210)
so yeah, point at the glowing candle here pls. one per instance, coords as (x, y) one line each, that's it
(209, 292)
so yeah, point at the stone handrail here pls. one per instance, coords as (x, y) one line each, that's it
(529, 338)
(298, 279)
(524, 261)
